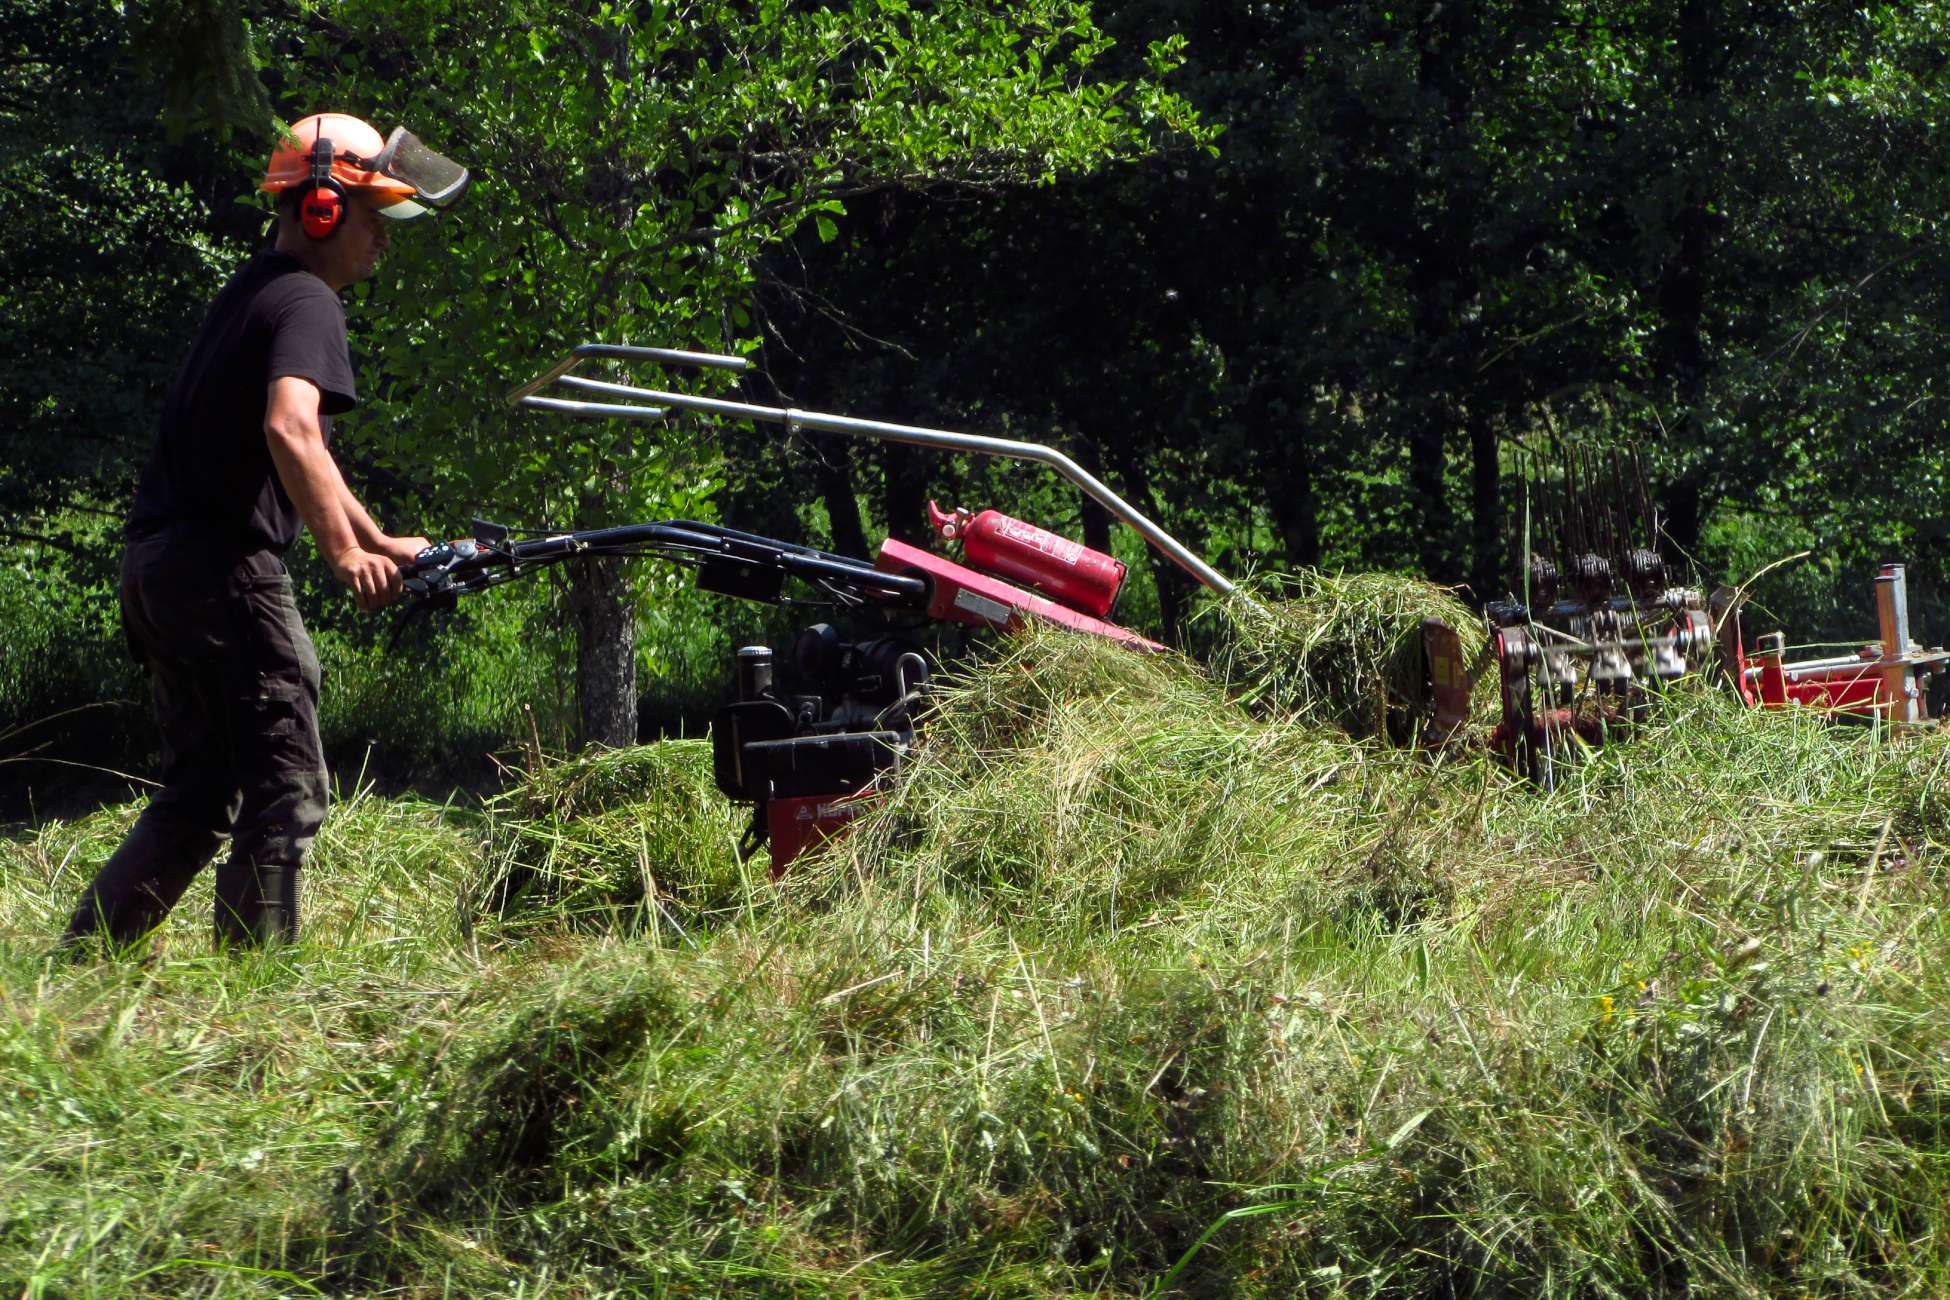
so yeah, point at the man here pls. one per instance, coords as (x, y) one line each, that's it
(241, 459)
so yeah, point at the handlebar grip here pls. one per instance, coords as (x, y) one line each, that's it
(431, 572)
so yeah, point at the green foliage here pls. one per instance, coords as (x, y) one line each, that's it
(72, 701)
(633, 163)
(110, 256)
(428, 702)
(1359, 250)
(203, 54)
(1431, 232)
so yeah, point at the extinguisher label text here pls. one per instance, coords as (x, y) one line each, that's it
(1060, 548)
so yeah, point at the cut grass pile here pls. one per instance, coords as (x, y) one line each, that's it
(613, 839)
(1338, 648)
(1128, 988)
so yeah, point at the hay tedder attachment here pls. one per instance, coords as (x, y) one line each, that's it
(1603, 625)
(809, 736)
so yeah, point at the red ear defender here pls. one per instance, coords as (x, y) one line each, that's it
(323, 206)
(321, 210)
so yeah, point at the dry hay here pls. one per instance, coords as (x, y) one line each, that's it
(613, 834)
(1344, 649)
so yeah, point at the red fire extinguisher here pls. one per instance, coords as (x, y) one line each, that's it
(1066, 571)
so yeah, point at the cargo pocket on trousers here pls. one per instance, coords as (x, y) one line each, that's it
(275, 722)
(273, 711)
(276, 642)
(281, 772)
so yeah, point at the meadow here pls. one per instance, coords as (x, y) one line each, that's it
(1150, 977)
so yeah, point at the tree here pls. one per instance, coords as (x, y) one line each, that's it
(634, 162)
(1433, 230)
(109, 257)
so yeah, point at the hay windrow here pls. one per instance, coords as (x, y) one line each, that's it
(1109, 793)
(1072, 779)
(609, 836)
(1344, 649)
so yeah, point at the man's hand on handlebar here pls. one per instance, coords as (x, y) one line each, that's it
(374, 579)
(403, 551)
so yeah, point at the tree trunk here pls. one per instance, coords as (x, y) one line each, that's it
(1096, 519)
(1681, 304)
(1432, 522)
(1682, 286)
(1164, 573)
(835, 475)
(1291, 499)
(605, 619)
(903, 494)
(1445, 287)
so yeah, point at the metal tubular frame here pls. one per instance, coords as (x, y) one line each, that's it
(794, 419)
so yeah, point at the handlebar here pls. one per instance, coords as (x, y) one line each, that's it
(448, 568)
(730, 562)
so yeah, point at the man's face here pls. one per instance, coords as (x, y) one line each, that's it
(361, 238)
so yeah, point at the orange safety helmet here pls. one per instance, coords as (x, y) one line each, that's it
(332, 153)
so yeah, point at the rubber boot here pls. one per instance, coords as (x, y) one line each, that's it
(257, 905)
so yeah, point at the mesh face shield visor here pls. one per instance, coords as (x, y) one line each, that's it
(437, 180)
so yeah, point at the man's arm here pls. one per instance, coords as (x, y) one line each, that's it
(400, 550)
(311, 478)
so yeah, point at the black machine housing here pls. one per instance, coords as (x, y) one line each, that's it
(827, 722)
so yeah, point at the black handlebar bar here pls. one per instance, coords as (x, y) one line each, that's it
(729, 561)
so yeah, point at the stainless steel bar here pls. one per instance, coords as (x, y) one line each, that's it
(605, 410)
(664, 356)
(1823, 665)
(1892, 610)
(1904, 696)
(914, 435)
(689, 401)
(1832, 672)
(624, 352)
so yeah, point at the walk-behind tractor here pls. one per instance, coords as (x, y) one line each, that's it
(1601, 625)
(810, 734)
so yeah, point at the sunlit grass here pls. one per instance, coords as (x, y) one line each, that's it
(1133, 986)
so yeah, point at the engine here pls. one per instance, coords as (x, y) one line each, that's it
(806, 741)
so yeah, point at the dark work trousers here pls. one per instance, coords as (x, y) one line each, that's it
(235, 682)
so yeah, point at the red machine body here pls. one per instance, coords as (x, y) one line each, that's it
(1071, 572)
(801, 822)
(1887, 678)
(958, 594)
(811, 752)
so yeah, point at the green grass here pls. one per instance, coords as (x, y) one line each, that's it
(1143, 982)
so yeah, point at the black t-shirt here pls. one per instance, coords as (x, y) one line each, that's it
(211, 466)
